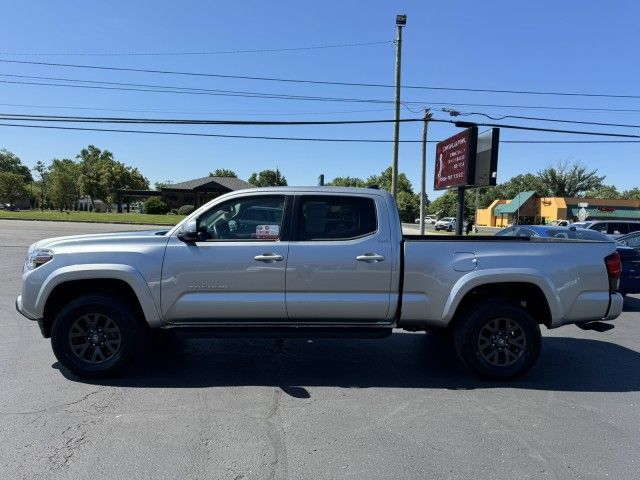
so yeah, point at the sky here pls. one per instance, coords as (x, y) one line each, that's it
(572, 46)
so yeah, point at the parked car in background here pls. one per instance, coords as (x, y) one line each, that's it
(428, 219)
(632, 240)
(447, 223)
(629, 257)
(560, 223)
(614, 229)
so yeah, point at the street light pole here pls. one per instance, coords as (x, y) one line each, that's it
(427, 117)
(401, 21)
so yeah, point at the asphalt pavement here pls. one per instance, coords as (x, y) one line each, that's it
(401, 407)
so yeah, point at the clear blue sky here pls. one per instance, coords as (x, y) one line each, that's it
(581, 46)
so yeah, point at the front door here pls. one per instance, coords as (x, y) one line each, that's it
(236, 269)
(340, 260)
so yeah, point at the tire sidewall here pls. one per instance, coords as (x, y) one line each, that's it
(109, 305)
(467, 332)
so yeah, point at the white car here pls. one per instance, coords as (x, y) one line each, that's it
(428, 219)
(447, 223)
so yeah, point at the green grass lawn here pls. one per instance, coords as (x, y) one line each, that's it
(93, 217)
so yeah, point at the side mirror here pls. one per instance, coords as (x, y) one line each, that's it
(188, 232)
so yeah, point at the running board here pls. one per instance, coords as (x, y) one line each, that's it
(216, 331)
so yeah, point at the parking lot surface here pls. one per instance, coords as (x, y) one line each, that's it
(401, 407)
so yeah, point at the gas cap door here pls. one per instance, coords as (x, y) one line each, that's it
(465, 261)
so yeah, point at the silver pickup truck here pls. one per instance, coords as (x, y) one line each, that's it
(312, 262)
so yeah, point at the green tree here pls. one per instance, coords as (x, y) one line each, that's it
(566, 180)
(116, 175)
(407, 200)
(12, 187)
(155, 206)
(268, 178)
(604, 191)
(11, 163)
(347, 182)
(446, 205)
(163, 184)
(408, 206)
(223, 172)
(64, 185)
(509, 189)
(43, 173)
(384, 181)
(633, 194)
(91, 160)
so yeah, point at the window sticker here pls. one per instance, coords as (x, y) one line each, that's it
(269, 232)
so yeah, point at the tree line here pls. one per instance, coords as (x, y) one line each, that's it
(572, 180)
(94, 174)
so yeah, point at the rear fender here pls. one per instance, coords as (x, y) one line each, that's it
(503, 275)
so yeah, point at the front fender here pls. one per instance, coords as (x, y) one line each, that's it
(125, 273)
(503, 275)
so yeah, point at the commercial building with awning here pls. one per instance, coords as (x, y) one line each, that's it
(531, 208)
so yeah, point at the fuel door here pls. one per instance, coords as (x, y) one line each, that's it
(465, 261)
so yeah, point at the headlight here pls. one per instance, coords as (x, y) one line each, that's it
(38, 257)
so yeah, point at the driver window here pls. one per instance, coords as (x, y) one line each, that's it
(246, 218)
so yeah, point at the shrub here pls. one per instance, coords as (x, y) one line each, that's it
(155, 206)
(185, 209)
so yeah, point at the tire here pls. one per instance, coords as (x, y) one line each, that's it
(516, 334)
(449, 228)
(96, 335)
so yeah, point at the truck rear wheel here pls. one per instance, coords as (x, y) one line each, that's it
(498, 339)
(95, 335)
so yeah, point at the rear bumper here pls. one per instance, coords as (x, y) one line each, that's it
(615, 306)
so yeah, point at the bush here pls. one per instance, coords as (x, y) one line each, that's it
(155, 206)
(186, 209)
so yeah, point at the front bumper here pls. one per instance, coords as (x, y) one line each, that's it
(21, 310)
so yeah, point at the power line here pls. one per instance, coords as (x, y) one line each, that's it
(190, 112)
(158, 121)
(154, 88)
(322, 82)
(223, 93)
(299, 139)
(181, 121)
(215, 52)
(454, 113)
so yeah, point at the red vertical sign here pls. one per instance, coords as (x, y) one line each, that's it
(453, 157)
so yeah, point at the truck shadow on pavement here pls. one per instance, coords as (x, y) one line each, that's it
(404, 360)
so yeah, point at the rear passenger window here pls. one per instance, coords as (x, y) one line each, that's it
(600, 227)
(618, 228)
(335, 218)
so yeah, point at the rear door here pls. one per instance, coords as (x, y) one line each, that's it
(340, 259)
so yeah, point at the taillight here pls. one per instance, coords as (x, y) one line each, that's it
(614, 270)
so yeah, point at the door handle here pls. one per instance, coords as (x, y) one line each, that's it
(268, 258)
(370, 258)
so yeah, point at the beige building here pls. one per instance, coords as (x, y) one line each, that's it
(530, 208)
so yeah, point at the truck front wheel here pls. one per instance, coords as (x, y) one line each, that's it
(95, 335)
(497, 339)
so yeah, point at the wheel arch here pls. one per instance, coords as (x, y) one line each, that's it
(526, 293)
(62, 287)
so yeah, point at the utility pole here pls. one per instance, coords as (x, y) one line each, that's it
(475, 218)
(401, 21)
(427, 117)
